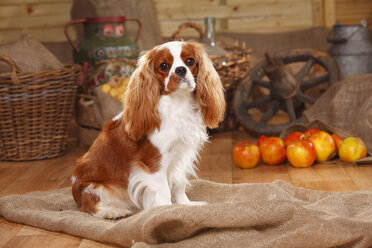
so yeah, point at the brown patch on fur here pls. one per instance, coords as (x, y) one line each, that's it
(173, 83)
(109, 160)
(86, 201)
(89, 202)
(188, 51)
(162, 56)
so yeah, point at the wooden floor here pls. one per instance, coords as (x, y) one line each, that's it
(216, 165)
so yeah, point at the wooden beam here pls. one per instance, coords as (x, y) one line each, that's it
(318, 13)
(351, 12)
(329, 13)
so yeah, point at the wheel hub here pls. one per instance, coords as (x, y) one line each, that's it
(283, 84)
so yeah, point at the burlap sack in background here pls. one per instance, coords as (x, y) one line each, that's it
(344, 109)
(30, 55)
(105, 106)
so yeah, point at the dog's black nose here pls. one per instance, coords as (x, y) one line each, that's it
(181, 71)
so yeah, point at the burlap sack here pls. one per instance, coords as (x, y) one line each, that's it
(344, 109)
(105, 106)
(30, 55)
(240, 215)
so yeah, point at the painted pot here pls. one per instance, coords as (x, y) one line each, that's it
(104, 39)
(110, 72)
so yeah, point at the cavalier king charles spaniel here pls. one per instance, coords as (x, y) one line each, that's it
(143, 157)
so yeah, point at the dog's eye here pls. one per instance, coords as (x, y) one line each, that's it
(190, 62)
(164, 66)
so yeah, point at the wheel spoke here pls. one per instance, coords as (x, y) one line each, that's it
(312, 82)
(270, 112)
(305, 98)
(262, 83)
(247, 93)
(259, 102)
(305, 69)
(290, 110)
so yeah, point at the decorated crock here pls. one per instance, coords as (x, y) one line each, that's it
(104, 39)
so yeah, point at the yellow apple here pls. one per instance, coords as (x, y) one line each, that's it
(352, 149)
(325, 146)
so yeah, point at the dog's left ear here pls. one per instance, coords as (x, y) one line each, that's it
(209, 89)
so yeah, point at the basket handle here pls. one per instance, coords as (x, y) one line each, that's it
(176, 34)
(15, 69)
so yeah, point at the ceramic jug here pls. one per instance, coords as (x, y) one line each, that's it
(104, 39)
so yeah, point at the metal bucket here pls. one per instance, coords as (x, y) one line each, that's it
(351, 48)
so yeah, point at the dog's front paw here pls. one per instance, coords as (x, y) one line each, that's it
(197, 203)
(107, 212)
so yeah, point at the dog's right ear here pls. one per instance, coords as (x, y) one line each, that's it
(141, 99)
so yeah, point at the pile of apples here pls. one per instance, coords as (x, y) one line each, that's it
(300, 149)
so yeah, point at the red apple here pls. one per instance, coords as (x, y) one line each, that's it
(352, 149)
(301, 153)
(272, 151)
(325, 147)
(293, 137)
(311, 131)
(246, 155)
(261, 139)
(338, 141)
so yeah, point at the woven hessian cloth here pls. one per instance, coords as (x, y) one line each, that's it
(241, 215)
(347, 105)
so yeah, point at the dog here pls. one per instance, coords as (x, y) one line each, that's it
(143, 157)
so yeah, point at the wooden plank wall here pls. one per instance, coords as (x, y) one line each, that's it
(350, 12)
(45, 19)
(237, 15)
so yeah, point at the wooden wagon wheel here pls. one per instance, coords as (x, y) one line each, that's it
(283, 89)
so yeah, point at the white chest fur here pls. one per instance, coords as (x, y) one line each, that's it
(181, 135)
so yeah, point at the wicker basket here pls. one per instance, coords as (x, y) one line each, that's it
(231, 67)
(35, 109)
